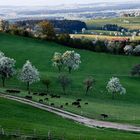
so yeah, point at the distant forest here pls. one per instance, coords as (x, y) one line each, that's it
(64, 26)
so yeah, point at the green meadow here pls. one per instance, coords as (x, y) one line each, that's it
(19, 117)
(124, 108)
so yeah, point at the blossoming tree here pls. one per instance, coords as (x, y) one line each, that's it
(7, 69)
(115, 87)
(29, 74)
(71, 60)
(57, 60)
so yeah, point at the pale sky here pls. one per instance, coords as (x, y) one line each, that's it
(53, 2)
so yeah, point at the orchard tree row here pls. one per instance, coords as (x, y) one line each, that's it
(69, 59)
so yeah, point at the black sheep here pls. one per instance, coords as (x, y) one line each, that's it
(52, 104)
(76, 103)
(66, 104)
(79, 106)
(35, 93)
(61, 106)
(28, 97)
(46, 99)
(79, 100)
(40, 100)
(104, 116)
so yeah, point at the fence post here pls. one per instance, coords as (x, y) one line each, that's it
(2, 131)
(49, 135)
(34, 132)
(17, 132)
(79, 137)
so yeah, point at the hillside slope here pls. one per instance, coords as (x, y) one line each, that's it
(101, 66)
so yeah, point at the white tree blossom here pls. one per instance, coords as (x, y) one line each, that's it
(110, 46)
(57, 60)
(128, 49)
(71, 60)
(114, 86)
(29, 74)
(6, 67)
(137, 49)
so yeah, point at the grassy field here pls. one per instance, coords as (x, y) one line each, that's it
(101, 32)
(131, 23)
(101, 37)
(16, 116)
(101, 66)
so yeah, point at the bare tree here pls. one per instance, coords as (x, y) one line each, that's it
(64, 82)
(135, 70)
(88, 83)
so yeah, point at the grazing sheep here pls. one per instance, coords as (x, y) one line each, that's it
(79, 106)
(42, 94)
(46, 99)
(52, 104)
(28, 97)
(66, 104)
(40, 100)
(76, 103)
(35, 93)
(61, 106)
(58, 96)
(79, 100)
(55, 96)
(104, 116)
(13, 91)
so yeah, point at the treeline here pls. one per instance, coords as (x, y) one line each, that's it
(95, 45)
(46, 31)
(114, 27)
(113, 47)
(63, 26)
(110, 27)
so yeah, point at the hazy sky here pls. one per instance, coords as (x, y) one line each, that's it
(53, 2)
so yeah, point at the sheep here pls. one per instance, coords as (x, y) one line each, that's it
(104, 116)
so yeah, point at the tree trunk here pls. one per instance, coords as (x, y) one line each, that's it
(113, 95)
(87, 90)
(64, 90)
(3, 81)
(47, 88)
(70, 70)
(59, 69)
(28, 87)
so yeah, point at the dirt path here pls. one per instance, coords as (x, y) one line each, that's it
(77, 118)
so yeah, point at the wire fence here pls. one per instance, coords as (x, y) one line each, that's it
(27, 134)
